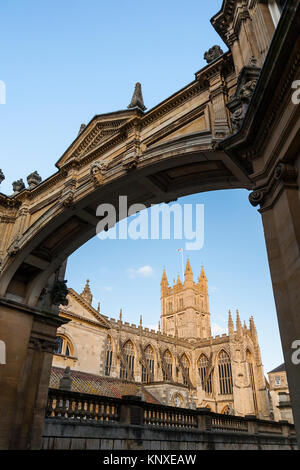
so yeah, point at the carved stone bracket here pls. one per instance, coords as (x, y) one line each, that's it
(256, 197)
(59, 293)
(97, 172)
(239, 102)
(39, 344)
(131, 159)
(14, 247)
(286, 173)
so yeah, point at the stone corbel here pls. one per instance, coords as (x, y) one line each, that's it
(131, 158)
(97, 172)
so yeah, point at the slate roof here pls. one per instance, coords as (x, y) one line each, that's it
(280, 368)
(98, 385)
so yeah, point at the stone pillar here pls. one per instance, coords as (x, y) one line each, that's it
(29, 336)
(281, 221)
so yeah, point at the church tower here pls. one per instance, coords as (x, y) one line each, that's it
(185, 306)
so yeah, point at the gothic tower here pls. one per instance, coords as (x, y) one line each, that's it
(185, 306)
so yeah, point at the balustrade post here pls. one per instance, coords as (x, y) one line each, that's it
(133, 412)
(252, 424)
(285, 429)
(204, 419)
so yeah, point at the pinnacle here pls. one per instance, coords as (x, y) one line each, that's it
(137, 100)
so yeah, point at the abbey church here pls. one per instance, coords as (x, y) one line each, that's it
(181, 364)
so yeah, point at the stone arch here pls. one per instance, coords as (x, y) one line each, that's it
(225, 372)
(202, 366)
(129, 353)
(149, 357)
(178, 400)
(68, 345)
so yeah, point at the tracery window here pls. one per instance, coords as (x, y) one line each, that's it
(186, 366)
(225, 373)
(169, 364)
(109, 353)
(129, 356)
(149, 354)
(202, 369)
(63, 346)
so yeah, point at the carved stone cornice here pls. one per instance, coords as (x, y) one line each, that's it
(284, 176)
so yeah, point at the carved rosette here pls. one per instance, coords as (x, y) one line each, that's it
(97, 172)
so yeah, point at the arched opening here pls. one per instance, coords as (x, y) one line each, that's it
(148, 371)
(186, 369)
(63, 346)
(128, 352)
(168, 360)
(177, 400)
(206, 382)
(225, 374)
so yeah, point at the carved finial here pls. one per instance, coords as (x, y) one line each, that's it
(137, 98)
(18, 186)
(213, 53)
(86, 293)
(65, 382)
(141, 320)
(82, 127)
(98, 308)
(159, 326)
(33, 180)
(238, 323)
(230, 324)
(2, 177)
(121, 314)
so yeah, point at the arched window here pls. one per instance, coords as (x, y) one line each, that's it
(63, 346)
(186, 366)
(108, 356)
(202, 369)
(128, 350)
(177, 400)
(225, 374)
(168, 361)
(249, 359)
(149, 354)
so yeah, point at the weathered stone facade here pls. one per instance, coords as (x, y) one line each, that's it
(181, 364)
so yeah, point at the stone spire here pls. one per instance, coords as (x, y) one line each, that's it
(230, 324)
(203, 280)
(86, 293)
(164, 285)
(253, 328)
(137, 100)
(188, 273)
(238, 324)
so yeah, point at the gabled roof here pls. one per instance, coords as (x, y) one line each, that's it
(92, 314)
(280, 368)
(83, 382)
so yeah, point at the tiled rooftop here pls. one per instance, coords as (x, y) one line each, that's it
(98, 385)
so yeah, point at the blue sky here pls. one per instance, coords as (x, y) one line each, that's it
(65, 61)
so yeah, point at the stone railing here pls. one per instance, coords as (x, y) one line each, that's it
(130, 410)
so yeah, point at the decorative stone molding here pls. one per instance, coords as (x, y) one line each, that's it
(59, 293)
(33, 180)
(39, 344)
(131, 159)
(68, 199)
(14, 247)
(97, 172)
(213, 53)
(286, 173)
(18, 186)
(256, 197)
(2, 177)
(238, 104)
